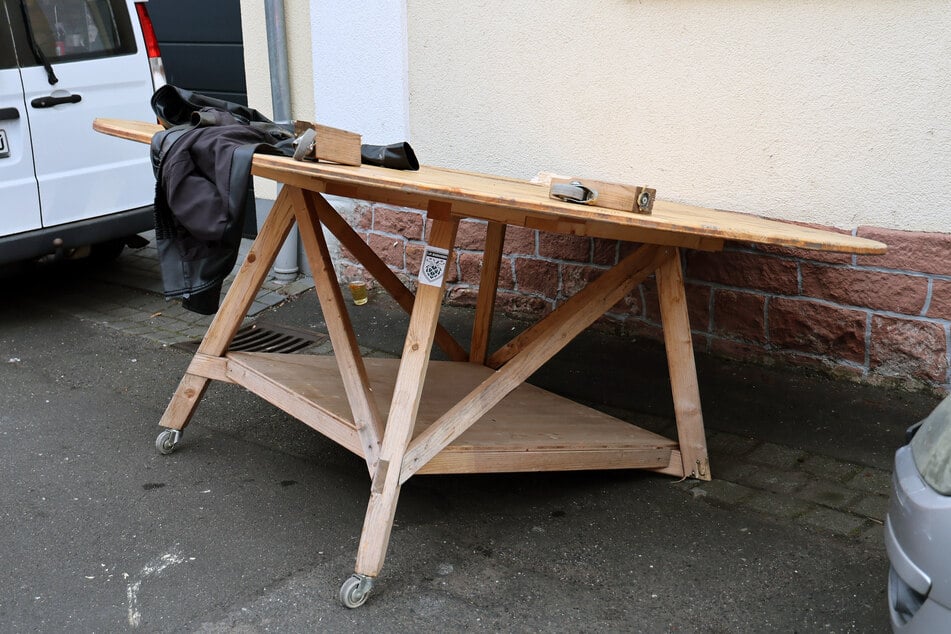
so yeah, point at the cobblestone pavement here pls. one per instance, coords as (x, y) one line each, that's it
(149, 314)
(846, 499)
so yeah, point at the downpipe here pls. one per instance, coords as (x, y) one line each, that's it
(286, 266)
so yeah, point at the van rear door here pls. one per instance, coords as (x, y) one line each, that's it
(19, 197)
(97, 57)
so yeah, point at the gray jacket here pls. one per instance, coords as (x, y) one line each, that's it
(203, 189)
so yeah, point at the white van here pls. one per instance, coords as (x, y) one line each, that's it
(62, 64)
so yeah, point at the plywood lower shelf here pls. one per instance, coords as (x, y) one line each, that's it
(529, 430)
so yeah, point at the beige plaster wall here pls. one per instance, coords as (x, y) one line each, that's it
(299, 60)
(817, 110)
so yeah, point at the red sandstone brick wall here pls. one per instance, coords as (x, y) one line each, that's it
(875, 318)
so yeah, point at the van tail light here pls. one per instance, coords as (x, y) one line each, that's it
(151, 46)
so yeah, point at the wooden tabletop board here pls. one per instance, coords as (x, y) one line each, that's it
(514, 201)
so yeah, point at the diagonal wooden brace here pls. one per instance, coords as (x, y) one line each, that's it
(379, 270)
(550, 336)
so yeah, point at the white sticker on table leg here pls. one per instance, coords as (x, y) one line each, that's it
(433, 268)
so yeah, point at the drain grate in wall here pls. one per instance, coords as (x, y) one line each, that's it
(266, 337)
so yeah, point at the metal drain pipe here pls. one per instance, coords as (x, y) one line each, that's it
(286, 264)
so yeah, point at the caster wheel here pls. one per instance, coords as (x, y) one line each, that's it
(167, 441)
(355, 590)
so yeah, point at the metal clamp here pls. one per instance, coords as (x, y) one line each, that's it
(573, 192)
(644, 199)
(304, 145)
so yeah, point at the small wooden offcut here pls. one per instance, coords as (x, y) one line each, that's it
(332, 144)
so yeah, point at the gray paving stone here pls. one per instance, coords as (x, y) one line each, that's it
(324, 348)
(871, 506)
(167, 337)
(164, 322)
(776, 455)
(730, 469)
(778, 505)
(873, 536)
(872, 481)
(122, 312)
(270, 298)
(194, 319)
(140, 330)
(142, 318)
(120, 324)
(686, 484)
(257, 307)
(174, 308)
(299, 286)
(150, 303)
(722, 491)
(784, 481)
(830, 494)
(159, 338)
(832, 520)
(829, 468)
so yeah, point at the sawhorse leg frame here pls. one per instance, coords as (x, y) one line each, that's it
(445, 429)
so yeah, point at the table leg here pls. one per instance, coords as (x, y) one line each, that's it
(233, 309)
(385, 488)
(683, 368)
(488, 286)
(363, 406)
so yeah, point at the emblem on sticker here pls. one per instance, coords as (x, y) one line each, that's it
(433, 268)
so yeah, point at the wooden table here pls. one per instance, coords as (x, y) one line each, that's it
(474, 413)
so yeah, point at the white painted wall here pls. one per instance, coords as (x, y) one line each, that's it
(360, 68)
(832, 112)
(823, 111)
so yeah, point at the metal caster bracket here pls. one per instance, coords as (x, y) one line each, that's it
(355, 590)
(168, 440)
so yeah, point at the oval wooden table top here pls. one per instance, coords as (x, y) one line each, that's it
(509, 200)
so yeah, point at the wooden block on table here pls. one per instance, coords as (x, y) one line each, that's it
(586, 191)
(332, 144)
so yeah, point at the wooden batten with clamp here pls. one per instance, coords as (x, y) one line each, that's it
(318, 142)
(585, 191)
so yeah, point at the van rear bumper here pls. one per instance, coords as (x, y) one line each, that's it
(39, 242)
